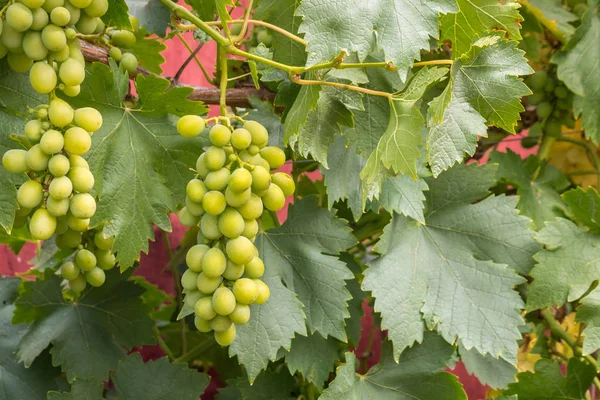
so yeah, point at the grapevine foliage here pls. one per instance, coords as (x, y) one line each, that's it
(428, 167)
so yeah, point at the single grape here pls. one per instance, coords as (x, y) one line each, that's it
(80, 3)
(259, 161)
(19, 62)
(202, 325)
(34, 47)
(235, 29)
(263, 292)
(78, 284)
(241, 139)
(285, 183)
(253, 150)
(207, 285)
(190, 125)
(220, 323)
(106, 259)
(245, 291)
(219, 136)
(191, 298)
(30, 194)
(129, 62)
(123, 38)
(72, 73)
(231, 223)
(223, 301)
(188, 280)
(78, 161)
(135, 22)
(274, 156)
(61, 188)
(194, 257)
(194, 208)
(103, 242)
(196, 189)
(213, 202)
(54, 37)
(550, 86)
(115, 53)
(74, 12)
(40, 19)
(97, 8)
(19, 17)
(215, 158)
(188, 219)
(538, 80)
(233, 271)
(62, 225)
(83, 206)
(237, 199)
(42, 224)
(72, 91)
(264, 37)
(57, 208)
(82, 179)
(61, 55)
(69, 239)
(213, 263)
(274, 199)
(15, 161)
(33, 130)
(78, 224)
(204, 308)
(77, 141)
(201, 167)
(255, 268)
(60, 16)
(240, 180)
(240, 314)
(50, 5)
(52, 142)
(561, 92)
(86, 24)
(85, 259)
(32, 3)
(217, 180)
(60, 113)
(69, 271)
(259, 134)
(36, 159)
(225, 338)
(96, 277)
(261, 179)
(209, 227)
(536, 98)
(253, 209)
(240, 250)
(544, 109)
(11, 38)
(250, 228)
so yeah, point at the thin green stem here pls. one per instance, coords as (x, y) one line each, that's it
(267, 25)
(587, 172)
(190, 355)
(163, 345)
(296, 79)
(235, 78)
(543, 153)
(433, 62)
(222, 60)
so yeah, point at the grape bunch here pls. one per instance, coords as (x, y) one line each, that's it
(94, 256)
(234, 182)
(122, 41)
(56, 197)
(40, 35)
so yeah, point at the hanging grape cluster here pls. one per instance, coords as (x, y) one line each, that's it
(233, 183)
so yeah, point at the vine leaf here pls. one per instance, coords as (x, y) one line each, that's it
(495, 372)
(305, 102)
(588, 313)
(104, 321)
(81, 389)
(117, 15)
(416, 376)
(313, 356)
(269, 385)
(553, 16)
(148, 51)
(456, 272)
(476, 18)
(16, 239)
(157, 379)
(580, 74)
(140, 162)
(585, 206)
(17, 381)
(401, 28)
(549, 383)
(484, 87)
(404, 195)
(152, 15)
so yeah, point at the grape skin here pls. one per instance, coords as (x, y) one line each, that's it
(194, 257)
(213, 263)
(30, 194)
(225, 338)
(245, 291)
(42, 224)
(15, 161)
(219, 135)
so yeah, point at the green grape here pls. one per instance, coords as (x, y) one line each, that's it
(60, 16)
(253, 209)
(30, 194)
(253, 150)
(259, 161)
(88, 118)
(78, 284)
(190, 125)
(83, 206)
(188, 219)
(61, 188)
(106, 259)
(188, 280)
(231, 224)
(115, 53)
(550, 86)
(240, 314)
(129, 62)
(285, 183)
(194, 208)
(220, 323)
(250, 228)
(241, 138)
(72, 72)
(237, 199)
(50, 5)
(57, 208)
(233, 271)
(19, 62)
(86, 24)
(245, 291)
(196, 189)
(553, 127)
(217, 180)
(209, 226)
(60, 113)
(261, 179)
(33, 130)
(74, 12)
(77, 141)
(202, 325)
(260, 136)
(52, 142)
(54, 37)
(70, 239)
(215, 158)
(85, 259)
(19, 17)
(191, 298)
(235, 29)
(213, 263)
(62, 225)
(538, 80)
(255, 268)
(75, 53)
(135, 23)
(204, 308)
(240, 180)
(544, 110)
(12, 39)
(201, 167)
(62, 55)
(82, 179)
(561, 92)
(42, 224)
(274, 156)
(32, 3)
(69, 271)
(96, 277)
(80, 3)
(97, 8)
(34, 47)
(264, 37)
(78, 161)
(194, 256)
(15, 161)
(536, 98)
(103, 242)
(223, 301)
(263, 292)
(72, 91)
(3, 49)
(36, 159)
(219, 136)
(78, 224)
(124, 39)
(240, 250)
(40, 19)
(207, 285)
(274, 199)
(225, 338)
(213, 202)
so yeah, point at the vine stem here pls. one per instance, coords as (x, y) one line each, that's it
(195, 351)
(296, 79)
(586, 145)
(267, 25)
(222, 60)
(433, 62)
(242, 33)
(176, 278)
(193, 56)
(163, 345)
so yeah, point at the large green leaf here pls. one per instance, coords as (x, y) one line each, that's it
(269, 385)
(579, 68)
(153, 15)
(81, 389)
(588, 313)
(89, 336)
(148, 51)
(117, 15)
(313, 356)
(484, 89)
(140, 162)
(553, 16)
(403, 28)
(404, 195)
(416, 376)
(456, 272)
(495, 372)
(585, 206)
